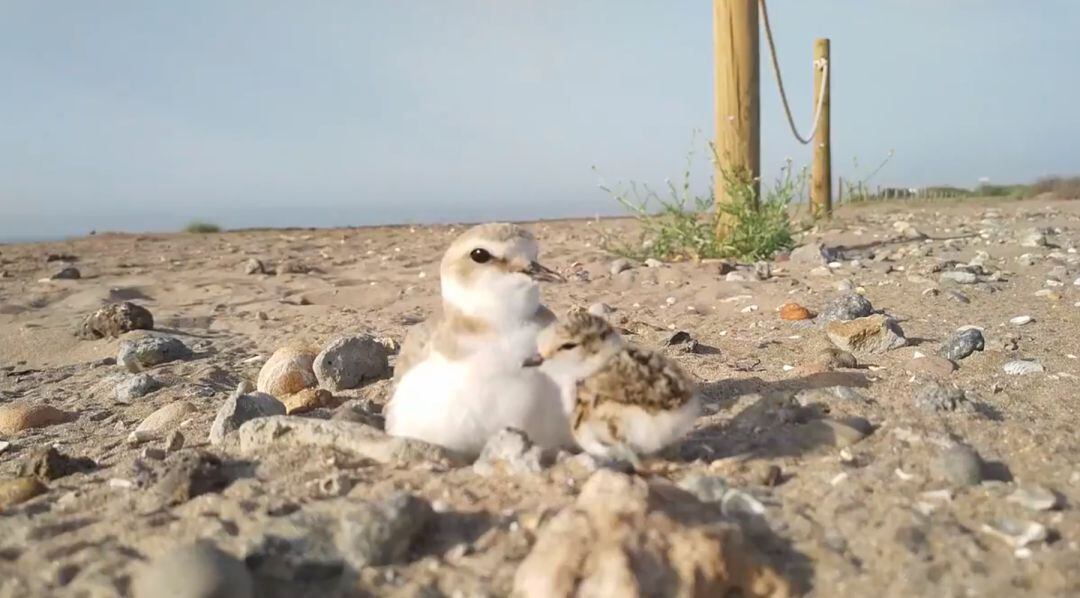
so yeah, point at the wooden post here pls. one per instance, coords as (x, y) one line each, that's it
(736, 93)
(821, 177)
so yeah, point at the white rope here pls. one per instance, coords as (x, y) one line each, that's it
(820, 63)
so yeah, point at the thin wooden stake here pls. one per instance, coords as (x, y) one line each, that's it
(737, 95)
(821, 177)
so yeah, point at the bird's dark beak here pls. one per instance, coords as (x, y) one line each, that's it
(541, 273)
(533, 361)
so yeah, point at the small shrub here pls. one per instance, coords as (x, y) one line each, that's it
(683, 225)
(199, 226)
(758, 230)
(990, 190)
(1059, 187)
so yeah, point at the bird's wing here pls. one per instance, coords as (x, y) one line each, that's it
(416, 346)
(638, 377)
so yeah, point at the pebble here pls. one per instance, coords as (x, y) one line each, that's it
(14, 491)
(183, 476)
(174, 442)
(827, 360)
(1034, 238)
(348, 362)
(363, 411)
(510, 451)
(961, 465)
(16, 417)
(959, 277)
(1022, 367)
(838, 433)
(1017, 533)
(254, 266)
(653, 263)
(50, 464)
(737, 503)
(707, 488)
(814, 254)
(601, 309)
(958, 297)
(162, 420)
(1035, 497)
(240, 408)
(199, 570)
(620, 265)
(683, 340)
(962, 344)
(772, 475)
(148, 351)
(848, 307)
(114, 320)
(136, 386)
(1021, 320)
(67, 273)
(935, 396)
(289, 370)
(308, 400)
(873, 334)
(794, 312)
(280, 432)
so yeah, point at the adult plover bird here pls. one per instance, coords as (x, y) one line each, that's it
(625, 402)
(459, 378)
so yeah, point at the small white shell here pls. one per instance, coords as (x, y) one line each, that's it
(1021, 367)
(1017, 534)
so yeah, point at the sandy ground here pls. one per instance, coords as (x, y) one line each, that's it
(874, 517)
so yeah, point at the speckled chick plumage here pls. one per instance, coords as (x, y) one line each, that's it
(629, 401)
(635, 377)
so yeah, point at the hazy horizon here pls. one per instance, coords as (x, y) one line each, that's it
(142, 117)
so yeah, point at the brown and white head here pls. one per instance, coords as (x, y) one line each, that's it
(577, 346)
(491, 273)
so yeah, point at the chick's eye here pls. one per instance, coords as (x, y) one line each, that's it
(568, 346)
(480, 255)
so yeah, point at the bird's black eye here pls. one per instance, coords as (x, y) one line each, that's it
(568, 347)
(480, 255)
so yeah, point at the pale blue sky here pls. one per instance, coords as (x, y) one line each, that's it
(143, 115)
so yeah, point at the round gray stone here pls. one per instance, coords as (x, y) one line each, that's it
(149, 351)
(198, 570)
(962, 344)
(240, 408)
(620, 265)
(961, 465)
(849, 307)
(350, 361)
(136, 386)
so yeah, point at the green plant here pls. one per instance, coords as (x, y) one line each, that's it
(199, 226)
(684, 224)
(758, 229)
